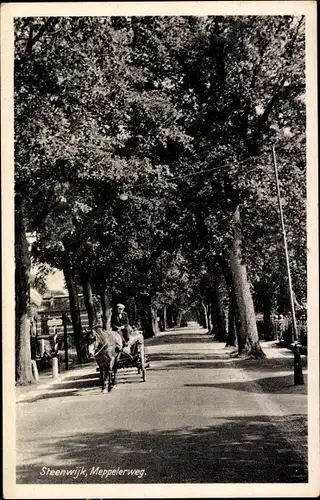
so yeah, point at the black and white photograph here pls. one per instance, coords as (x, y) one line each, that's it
(159, 272)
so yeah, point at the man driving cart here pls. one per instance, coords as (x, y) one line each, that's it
(120, 324)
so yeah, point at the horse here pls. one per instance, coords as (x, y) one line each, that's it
(107, 348)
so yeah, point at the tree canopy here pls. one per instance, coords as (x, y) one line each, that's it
(136, 138)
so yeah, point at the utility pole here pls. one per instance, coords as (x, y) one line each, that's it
(298, 374)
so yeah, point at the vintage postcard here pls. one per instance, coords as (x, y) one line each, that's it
(160, 249)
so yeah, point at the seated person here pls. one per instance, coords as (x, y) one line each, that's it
(120, 322)
(131, 336)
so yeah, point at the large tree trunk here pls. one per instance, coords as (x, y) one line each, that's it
(165, 319)
(233, 315)
(267, 323)
(178, 318)
(249, 339)
(219, 329)
(74, 304)
(88, 300)
(203, 315)
(106, 305)
(154, 320)
(135, 312)
(214, 316)
(232, 330)
(232, 334)
(162, 318)
(170, 317)
(209, 318)
(144, 319)
(148, 316)
(22, 298)
(198, 317)
(149, 322)
(221, 319)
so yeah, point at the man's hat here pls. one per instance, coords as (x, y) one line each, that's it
(120, 306)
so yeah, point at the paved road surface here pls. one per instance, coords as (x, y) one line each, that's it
(199, 417)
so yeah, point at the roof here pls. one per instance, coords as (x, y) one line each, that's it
(49, 296)
(35, 297)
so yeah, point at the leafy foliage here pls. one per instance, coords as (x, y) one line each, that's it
(178, 114)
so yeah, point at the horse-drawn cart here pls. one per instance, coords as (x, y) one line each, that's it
(112, 353)
(136, 359)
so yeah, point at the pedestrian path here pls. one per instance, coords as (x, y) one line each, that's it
(46, 381)
(201, 416)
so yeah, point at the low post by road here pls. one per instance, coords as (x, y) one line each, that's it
(35, 370)
(298, 374)
(55, 359)
(55, 367)
(65, 335)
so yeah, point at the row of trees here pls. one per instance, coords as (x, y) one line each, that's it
(142, 164)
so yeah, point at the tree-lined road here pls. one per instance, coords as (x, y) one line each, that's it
(146, 174)
(200, 417)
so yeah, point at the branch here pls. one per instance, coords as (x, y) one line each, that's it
(29, 43)
(33, 40)
(297, 30)
(252, 85)
(265, 115)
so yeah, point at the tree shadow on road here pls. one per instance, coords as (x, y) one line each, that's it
(186, 365)
(232, 450)
(283, 384)
(75, 386)
(179, 338)
(88, 376)
(177, 356)
(271, 364)
(66, 389)
(222, 359)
